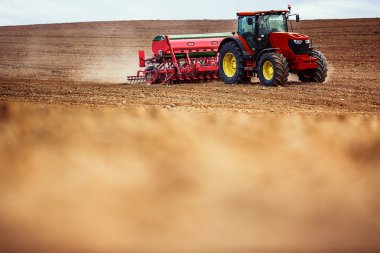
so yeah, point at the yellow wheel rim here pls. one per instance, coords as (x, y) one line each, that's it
(229, 65)
(268, 70)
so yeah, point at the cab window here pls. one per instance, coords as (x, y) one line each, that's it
(272, 23)
(245, 27)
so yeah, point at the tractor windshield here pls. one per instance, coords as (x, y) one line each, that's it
(272, 23)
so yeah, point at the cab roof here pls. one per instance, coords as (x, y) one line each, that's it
(242, 14)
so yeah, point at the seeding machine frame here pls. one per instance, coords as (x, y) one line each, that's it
(181, 58)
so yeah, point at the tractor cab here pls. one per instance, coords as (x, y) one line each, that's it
(256, 27)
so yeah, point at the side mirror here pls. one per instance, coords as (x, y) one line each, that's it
(250, 21)
(298, 18)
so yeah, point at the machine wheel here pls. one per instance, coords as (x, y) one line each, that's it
(274, 69)
(317, 75)
(231, 67)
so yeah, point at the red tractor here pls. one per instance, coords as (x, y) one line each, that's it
(263, 47)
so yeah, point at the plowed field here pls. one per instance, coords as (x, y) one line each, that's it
(88, 164)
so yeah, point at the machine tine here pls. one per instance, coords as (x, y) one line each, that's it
(135, 80)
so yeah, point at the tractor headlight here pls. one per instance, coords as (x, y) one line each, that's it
(307, 41)
(298, 42)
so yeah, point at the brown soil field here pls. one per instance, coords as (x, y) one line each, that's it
(89, 164)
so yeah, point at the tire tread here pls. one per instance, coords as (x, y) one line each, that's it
(281, 66)
(240, 77)
(318, 75)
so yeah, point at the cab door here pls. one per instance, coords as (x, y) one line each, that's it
(247, 27)
(263, 32)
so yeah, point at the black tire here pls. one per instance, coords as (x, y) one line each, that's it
(240, 75)
(317, 75)
(281, 69)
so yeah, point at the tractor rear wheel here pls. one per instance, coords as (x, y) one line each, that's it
(317, 75)
(231, 64)
(273, 69)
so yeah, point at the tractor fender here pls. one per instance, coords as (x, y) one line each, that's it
(232, 39)
(267, 50)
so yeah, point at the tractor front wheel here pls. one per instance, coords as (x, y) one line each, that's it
(231, 64)
(273, 69)
(317, 75)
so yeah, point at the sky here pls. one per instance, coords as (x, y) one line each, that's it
(21, 12)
